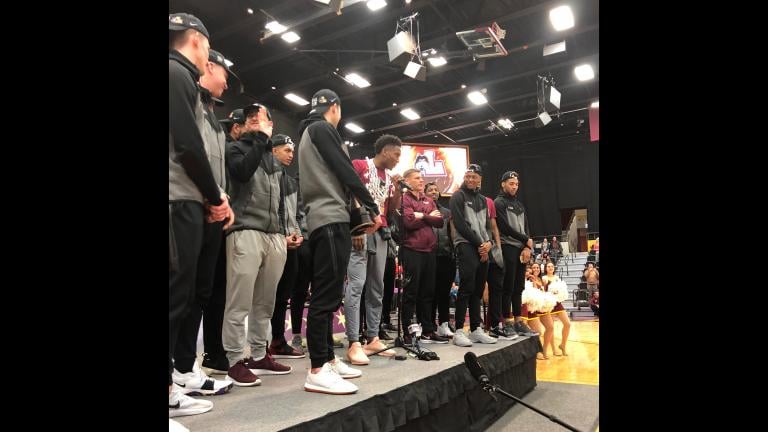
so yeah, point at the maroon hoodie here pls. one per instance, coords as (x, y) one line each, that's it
(418, 232)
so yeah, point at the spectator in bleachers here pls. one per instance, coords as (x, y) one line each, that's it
(544, 246)
(554, 249)
(594, 303)
(592, 277)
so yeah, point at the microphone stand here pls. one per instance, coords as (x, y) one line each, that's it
(493, 388)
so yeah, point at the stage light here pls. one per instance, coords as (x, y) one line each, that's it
(376, 4)
(561, 17)
(354, 128)
(584, 72)
(437, 61)
(290, 37)
(296, 99)
(357, 80)
(275, 27)
(477, 98)
(410, 114)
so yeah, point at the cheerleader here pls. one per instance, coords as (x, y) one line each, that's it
(558, 311)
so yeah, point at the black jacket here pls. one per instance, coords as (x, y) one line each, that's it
(190, 175)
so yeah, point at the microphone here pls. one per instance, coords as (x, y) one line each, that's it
(477, 371)
(403, 185)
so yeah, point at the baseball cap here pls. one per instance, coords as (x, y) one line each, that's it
(236, 116)
(280, 139)
(475, 168)
(216, 57)
(322, 100)
(185, 21)
(508, 175)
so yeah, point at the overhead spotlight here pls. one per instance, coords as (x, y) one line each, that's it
(584, 72)
(376, 4)
(463, 86)
(416, 71)
(274, 88)
(250, 11)
(561, 18)
(595, 104)
(290, 37)
(506, 123)
(296, 99)
(407, 1)
(394, 103)
(357, 80)
(477, 98)
(323, 1)
(354, 128)
(437, 61)
(275, 27)
(410, 114)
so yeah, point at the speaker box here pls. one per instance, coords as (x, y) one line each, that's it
(401, 48)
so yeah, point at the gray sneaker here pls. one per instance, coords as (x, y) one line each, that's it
(522, 329)
(479, 336)
(296, 343)
(509, 329)
(460, 339)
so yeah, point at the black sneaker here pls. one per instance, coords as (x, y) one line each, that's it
(217, 363)
(384, 335)
(433, 337)
(388, 327)
(502, 333)
(524, 330)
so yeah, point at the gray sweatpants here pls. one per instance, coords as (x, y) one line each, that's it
(255, 262)
(365, 270)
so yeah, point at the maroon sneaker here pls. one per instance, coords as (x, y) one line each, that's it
(281, 349)
(242, 376)
(266, 366)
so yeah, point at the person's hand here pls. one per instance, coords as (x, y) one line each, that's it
(483, 257)
(418, 215)
(526, 254)
(358, 242)
(266, 127)
(221, 211)
(377, 223)
(484, 248)
(291, 242)
(298, 239)
(231, 219)
(436, 213)
(530, 244)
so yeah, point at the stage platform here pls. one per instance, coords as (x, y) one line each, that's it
(394, 395)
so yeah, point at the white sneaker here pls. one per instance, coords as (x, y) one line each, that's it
(328, 381)
(444, 330)
(174, 426)
(345, 371)
(180, 404)
(197, 383)
(479, 336)
(460, 339)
